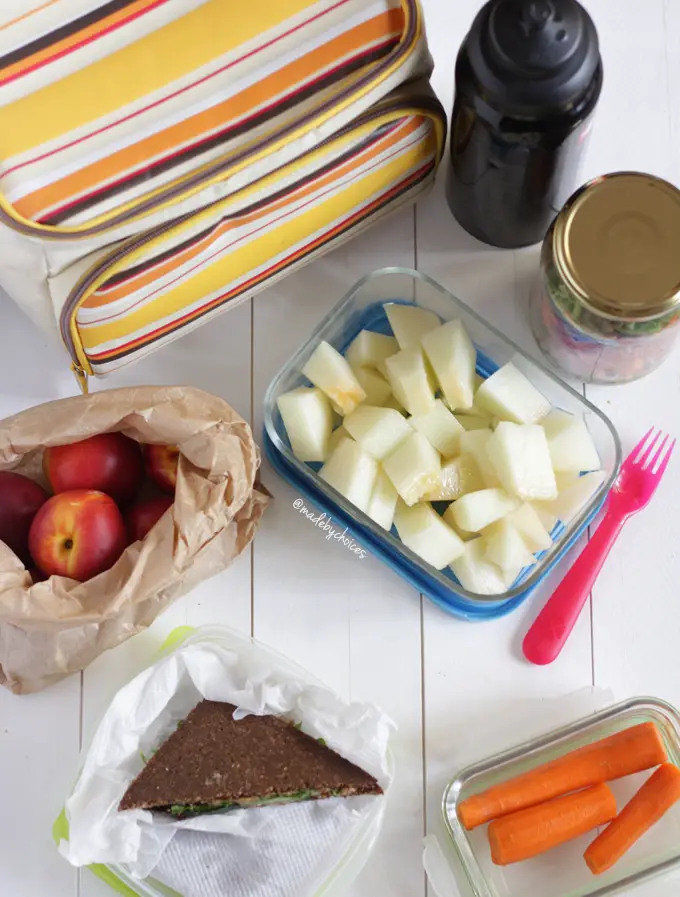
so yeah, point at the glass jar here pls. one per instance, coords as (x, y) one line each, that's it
(606, 305)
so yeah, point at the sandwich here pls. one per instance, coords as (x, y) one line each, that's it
(214, 762)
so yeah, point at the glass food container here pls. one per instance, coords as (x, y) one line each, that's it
(562, 872)
(363, 308)
(606, 306)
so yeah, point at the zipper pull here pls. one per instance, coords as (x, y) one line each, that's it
(81, 377)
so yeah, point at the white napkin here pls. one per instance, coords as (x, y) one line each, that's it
(273, 851)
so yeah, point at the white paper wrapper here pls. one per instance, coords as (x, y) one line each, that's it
(267, 852)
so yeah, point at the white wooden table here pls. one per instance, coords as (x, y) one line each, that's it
(350, 621)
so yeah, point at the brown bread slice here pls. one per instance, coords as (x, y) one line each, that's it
(213, 761)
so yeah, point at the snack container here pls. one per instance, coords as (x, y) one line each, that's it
(340, 865)
(363, 308)
(561, 872)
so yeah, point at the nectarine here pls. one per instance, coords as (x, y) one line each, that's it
(107, 462)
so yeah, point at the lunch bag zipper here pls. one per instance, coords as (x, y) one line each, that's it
(79, 365)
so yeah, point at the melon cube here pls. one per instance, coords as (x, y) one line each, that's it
(383, 501)
(414, 468)
(509, 395)
(308, 418)
(548, 518)
(477, 510)
(453, 357)
(506, 547)
(476, 573)
(565, 478)
(338, 435)
(572, 449)
(408, 376)
(528, 524)
(472, 422)
(328, 370)
(352, 472)
(392, 402)
(440, 428)
(458, 476)
(475, 443)
(377, 430)
(410, 323)
(376, 387)
(464, 534)
(422, 530)
(519, 452)
(369, 349)
(572, 499)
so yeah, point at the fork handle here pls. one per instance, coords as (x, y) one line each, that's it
(552, 627)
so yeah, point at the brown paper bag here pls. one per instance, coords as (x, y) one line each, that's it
(54, 628)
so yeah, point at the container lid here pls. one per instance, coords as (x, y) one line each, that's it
(616, 245)
(533, 57)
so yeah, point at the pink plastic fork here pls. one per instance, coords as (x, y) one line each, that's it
(639, 477)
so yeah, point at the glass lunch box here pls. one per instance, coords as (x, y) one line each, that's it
(562, 872)
(363, 308)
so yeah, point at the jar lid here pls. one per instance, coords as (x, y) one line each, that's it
(617, 245)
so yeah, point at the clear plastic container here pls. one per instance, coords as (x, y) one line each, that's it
(363, 308)
(562, 872)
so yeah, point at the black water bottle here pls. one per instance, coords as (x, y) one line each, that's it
(528, 77)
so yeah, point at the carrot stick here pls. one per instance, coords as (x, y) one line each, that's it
(656, 797)
(536, 829)
(637, 748)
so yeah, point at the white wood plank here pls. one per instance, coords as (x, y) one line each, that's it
(635, 611)
(475, 673)
(38, 733)
(349, 620)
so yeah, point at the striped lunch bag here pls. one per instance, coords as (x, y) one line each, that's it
(162, 159)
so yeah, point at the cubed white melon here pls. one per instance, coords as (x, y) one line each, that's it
(375, 386)
(519, 452)
(506, 547)
(422, 530)
(572, 449)
(458, 477)
(475, 443)
(476, 573)
(352, 472)
(338, 435)
(328, 370)
(308, 418)
(377, 430)
(369, 349)
(414, 468)
(565, 478)
(440, 428)
(471, 422)
(509, 395)
(527, 522)
(383, 501)
(464, 534)
(410, 323)
(477, 510)
(407, 375)
(453, 357)
(393, 402)
(549, 520)
(574, 498)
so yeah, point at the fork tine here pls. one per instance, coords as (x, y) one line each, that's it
(638, 448)
(664, 462)
(644, 457)
(651, 464)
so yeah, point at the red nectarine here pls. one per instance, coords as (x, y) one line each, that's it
(78, 534)
(107, 462)
(20, 499)
(161, 465)
(144, 515)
